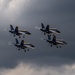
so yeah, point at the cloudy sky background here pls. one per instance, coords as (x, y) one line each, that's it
(43, 60)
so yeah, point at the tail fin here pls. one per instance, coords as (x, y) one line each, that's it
(16, 29)
(47, 28)
(11, 27)
(54, 38)
(17, 42)
(22, 43)
(49, 37)
(42, 25)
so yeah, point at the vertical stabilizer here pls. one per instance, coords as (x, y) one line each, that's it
(54, 38)
(49, 37)
(42, 25)
(47, 28)
(16, 29)
(22, 43)
(11, 27)
(17, 42)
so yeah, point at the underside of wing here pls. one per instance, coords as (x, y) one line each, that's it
(52, 31)
(55, 30)
(25, 32)
(59, 42)
(29, 46)
(21, 33)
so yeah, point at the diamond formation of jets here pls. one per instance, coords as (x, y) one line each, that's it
(50, 32)
(15, 31)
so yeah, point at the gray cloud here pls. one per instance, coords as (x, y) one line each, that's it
(32, 70)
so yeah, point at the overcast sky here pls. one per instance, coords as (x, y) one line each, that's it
(43, 60)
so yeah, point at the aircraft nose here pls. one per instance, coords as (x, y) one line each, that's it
(29, 33)
(32, 45)
(58, 31)
(65, 43)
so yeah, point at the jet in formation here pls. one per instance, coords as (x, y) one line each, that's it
(23, 45)
(15, 31)
(54, 41)
(48, 30)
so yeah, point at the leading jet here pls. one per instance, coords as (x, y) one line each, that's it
(23, 45)
(15, 31)
(54, 41)
(48, 30)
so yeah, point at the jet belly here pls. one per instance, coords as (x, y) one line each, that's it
(59, 42)
(21, 33)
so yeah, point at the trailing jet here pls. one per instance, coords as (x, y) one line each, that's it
(54, 41)
(23, 45)
(18, 32)
(48, 30)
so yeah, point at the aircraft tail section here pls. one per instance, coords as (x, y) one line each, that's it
(22, 42)
(16, 29)
(11, 27)
(54, 38)
(42, 25)
(47, 28)
(17, 42)
(49, 37)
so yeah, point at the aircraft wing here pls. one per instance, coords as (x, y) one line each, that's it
(59, 42)
(24, 32)
(29, 45)
(21, 33)
(54, 30)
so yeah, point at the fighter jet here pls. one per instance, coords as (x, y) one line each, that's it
(48, 30)
(54, 41)
(23, 45)
(15, 31)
